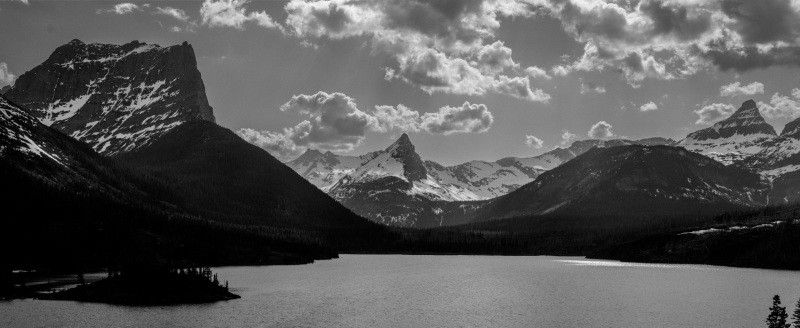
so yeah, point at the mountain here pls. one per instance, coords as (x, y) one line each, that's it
(393, 187)
(223, 178)
(493, 179)
(781, 154)
(631, 181)
(116, 98)
(151, 163)
(76, 210)
(733, 139)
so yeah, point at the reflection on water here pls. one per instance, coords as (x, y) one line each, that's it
(605, 263)
(452, 291)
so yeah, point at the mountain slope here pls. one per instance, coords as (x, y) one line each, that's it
(632, 181)
(69, 208)
(223, 178)
(116, 98)
(733, 139)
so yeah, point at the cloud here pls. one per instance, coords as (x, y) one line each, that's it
(6, 77)
(674, 39)
(121, 9)
(713, 113)
(468, 118)
(601, 130)
(587, 87)
(495, 58)
(736, 89)
(533, 142)
(437, 46)
(334, 122)
(24, 1)
(275, 143)
(232, 13)
(537, 73)
(396, 118)
(567, 138)
(782, 107)
(651, 106)
(453, 46)
(178, 14)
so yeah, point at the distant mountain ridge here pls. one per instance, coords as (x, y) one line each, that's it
(116, 98)
(393, 186)
(629, 181)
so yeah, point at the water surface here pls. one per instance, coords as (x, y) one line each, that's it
(452, 291)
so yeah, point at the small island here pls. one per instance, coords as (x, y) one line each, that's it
(162, 287)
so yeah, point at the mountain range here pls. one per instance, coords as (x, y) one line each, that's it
(143, 107)
(378, 186)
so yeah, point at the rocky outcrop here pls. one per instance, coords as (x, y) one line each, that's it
(116, 98)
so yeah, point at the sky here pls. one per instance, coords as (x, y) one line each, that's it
(467, 80)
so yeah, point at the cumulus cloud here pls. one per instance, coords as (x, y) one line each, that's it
(567, 138)
(677, 38)
(537, 73)
(587, 87)
(121, 9)
(24, 1)
(275, 143)
(782, 107)
(601, 130)
(469, 118)
(438, 46)
(713, 113)
(397, 117)
(533, 142)
(651, 106)
(6, 77)
(736, 89)
(232, 13)
(334, 122)
(178, 14)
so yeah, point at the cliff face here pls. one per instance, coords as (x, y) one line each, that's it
(116, 98)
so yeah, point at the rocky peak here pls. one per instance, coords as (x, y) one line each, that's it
(116, 98)
(403, 151)
(402, 144)
(747, 120)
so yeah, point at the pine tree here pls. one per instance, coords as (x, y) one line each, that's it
(796, 315)
(777, 316)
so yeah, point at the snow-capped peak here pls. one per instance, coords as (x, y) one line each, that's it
(735, 138)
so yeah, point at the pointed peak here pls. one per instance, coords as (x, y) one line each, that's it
(748, 107)
(403, 142)
(403, 139)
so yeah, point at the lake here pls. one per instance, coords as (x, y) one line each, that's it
(452, 291)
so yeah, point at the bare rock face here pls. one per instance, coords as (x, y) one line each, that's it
(116, 98)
